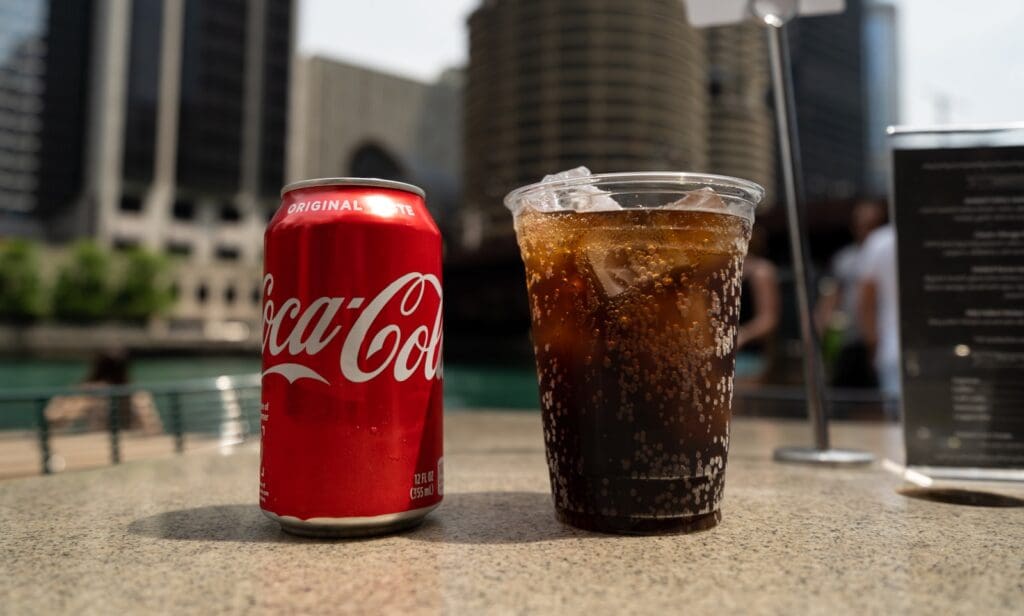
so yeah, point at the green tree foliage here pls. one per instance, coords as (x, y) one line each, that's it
(144, 290)
(21, 290)
(83, 291)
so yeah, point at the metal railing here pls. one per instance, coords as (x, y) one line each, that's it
(790, 401)
(224, 410)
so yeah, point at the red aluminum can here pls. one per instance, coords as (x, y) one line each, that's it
(351, 407)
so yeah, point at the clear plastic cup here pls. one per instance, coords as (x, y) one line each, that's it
(634, 285)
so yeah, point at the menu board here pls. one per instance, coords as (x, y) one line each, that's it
(959, 217)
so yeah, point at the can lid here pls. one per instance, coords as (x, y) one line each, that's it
(353, 182)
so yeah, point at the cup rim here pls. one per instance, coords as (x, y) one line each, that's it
(748, 191)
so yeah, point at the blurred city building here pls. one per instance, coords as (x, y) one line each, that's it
(616, 85)
(44, 56)
(741, 129)
(354, 121)
(830, 90)
(166, 129)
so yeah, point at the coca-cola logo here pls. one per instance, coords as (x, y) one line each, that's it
(371, 346)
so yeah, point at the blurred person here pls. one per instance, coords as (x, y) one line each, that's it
(760, 310)
(879, 308)
(837, 308)
(134, 411)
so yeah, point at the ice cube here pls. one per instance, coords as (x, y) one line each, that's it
(582, 198)
(578, 172)
(705, 199)
(611, 268)
(621, 268)
(694, 304)
(592, 199)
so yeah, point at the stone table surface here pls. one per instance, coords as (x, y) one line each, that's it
(185, 535)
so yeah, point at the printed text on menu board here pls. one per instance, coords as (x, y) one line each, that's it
(959, 215)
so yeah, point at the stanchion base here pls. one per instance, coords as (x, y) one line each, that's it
(811, 455)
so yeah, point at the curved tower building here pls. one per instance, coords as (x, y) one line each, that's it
(742, 132)
(616, 85)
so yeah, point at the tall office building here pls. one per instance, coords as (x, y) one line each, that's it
(829, 88)
(173, 129)
(616, 85)
(188, 122)
(44, 54)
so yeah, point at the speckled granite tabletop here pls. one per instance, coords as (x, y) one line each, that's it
(185, 535)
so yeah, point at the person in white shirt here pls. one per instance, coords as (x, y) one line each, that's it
(879, 308)
(838, 304)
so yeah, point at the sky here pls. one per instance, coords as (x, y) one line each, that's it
(970, 52)
(961, 61)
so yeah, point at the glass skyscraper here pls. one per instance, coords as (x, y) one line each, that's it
(44, 51)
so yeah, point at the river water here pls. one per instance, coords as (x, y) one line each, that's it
(465, 386)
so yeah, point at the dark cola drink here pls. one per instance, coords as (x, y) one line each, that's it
(634, 316)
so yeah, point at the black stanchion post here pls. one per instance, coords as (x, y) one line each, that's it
(177, 425)
(44, 435)
(115, 429)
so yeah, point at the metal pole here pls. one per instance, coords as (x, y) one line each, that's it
(176, 424)
(115, 427)
(44, 435)
(789, 149)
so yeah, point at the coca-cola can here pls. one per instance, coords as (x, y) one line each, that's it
(351, 417)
